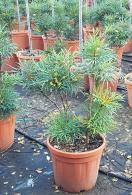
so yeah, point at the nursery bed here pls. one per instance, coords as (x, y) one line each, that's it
(26, 168)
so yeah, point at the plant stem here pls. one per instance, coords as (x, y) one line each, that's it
(18, 15)
(29, 27)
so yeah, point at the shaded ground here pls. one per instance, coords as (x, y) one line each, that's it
(26, 168)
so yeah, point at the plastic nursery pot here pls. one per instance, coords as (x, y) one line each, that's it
(20, 38)
(128, 47)
(37, 42)
(48, 42)
(72, 46)
(119, 53)
(22, 57)
(10, 64)
(75, 172)
(128, 83)
(7, 129)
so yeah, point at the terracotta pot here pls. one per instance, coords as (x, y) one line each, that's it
(7, 129)
(20, 38)
(90, 83)
(119, 52)
(48, 42)
(72, 46)
(128, 47)
(37, 42)
(22, 58)
(75, 172)
(129, 88)
(9, 64)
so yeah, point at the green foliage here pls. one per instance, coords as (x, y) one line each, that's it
(101, 112)
(106, 8)
(7, 48)
(99, 59)
(7, 12)
(8, 97)
(41, 14)
(117, 34)
(52, 74)
(64, 128)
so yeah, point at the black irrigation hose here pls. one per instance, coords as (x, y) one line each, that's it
(121, 88)
(101, 171)
(114, 175)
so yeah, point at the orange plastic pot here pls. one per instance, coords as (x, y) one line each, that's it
(7, 129)
(48, 42)
(72, 46)
(75, 172)
(9, 64)
(129, 88)
(128, 47)
(37, 42)
(22, 58)
(119, 53)
(20, 38)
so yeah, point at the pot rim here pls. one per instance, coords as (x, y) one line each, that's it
(127, 82)
(77, 154)
(19, 32)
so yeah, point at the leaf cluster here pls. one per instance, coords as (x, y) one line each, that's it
(8, 97)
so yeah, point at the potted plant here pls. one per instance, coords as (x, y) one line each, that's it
(128, 83)
(29, 54)
(99, 64)
(7, 94)
(42, 22)
(8, 59)
(75, 142)
(20, 36)
(8, 107)
(116, 35)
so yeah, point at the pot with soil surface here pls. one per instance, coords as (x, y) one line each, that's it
(128, 83)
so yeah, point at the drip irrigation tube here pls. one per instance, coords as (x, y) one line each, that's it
(101, 171)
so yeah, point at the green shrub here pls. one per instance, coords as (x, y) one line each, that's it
(117, 34)
(8, 97)
(7, 48)
(99, 60)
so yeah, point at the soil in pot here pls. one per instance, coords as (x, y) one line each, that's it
(26, 55)
(76, 171)
(7, 129)
(37, 42)
(20, 39)
(128, 83)
(10, 64)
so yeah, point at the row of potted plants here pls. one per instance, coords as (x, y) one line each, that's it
(76, 141)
